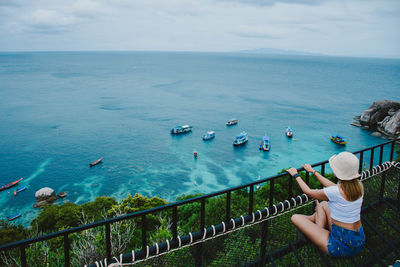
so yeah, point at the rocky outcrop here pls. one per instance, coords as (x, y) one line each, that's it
(44, 196)
(383, 116)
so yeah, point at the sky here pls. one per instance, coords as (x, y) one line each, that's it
(332, 27)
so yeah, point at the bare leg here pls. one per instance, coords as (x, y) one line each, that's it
(314, 226)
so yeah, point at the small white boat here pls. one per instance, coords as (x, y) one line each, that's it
(240, 139)
(265, 144)
(232, 121)
(209, 135)
(181, 129)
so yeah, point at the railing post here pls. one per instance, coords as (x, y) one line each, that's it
(228, 206)
(323, 169)
(371, 161)
(23, 256)
(361, 161)
(66, 250)
(290, 187)
(263, 245)
(199, 249)
(307, 177)
(392, 150)
(382, 185)
(144, 232)
(271, 192)
(251, 195)
(108, 241)
(380, 154)
(175, 222)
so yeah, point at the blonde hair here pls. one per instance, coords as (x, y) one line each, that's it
(353, 189)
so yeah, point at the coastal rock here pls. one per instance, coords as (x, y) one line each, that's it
(383, 116)
(44, 196)
(377, 111)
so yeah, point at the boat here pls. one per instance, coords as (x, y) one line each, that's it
(289, 132)
(265, 144)
(232, 121)
(209, 135)
(181, 129)
(338, 139)
(19, 190)
(96, 162)
(4, 187)
(13, 217)
(195, 154)
(240, 139)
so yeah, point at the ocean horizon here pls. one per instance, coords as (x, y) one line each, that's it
(61, 111)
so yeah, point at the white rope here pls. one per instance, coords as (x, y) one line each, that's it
(283, 207)
(234, 224)
(223, 227)
(294, 201)
(253, 217)
(276, 210)
(288, 203)
(259, 212)
(147, 252)
(157, 249)
(97, 264)
(191, 237)
(242, 220)
(205, 233)
(301, 200)
(213, 227)
(133, 255)
(179, 241)
(267, 211)
(168, 247)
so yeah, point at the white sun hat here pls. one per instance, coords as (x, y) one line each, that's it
(345, 166)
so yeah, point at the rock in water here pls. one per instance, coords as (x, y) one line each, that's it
(383, 115)
(44, 196)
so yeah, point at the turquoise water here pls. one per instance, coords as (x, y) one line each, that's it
(61, 111)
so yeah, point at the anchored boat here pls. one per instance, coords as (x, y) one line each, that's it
(289, 132)
(19, 190)
(338, 139)
(232, 121)
(13, 217)
(4, 187)
(240, 139)
(209, 135)
(181, 129)
(265, 144)
(96, 162)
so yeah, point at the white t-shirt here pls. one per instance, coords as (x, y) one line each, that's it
(341, 209)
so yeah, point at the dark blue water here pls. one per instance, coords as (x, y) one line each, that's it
(61, 111)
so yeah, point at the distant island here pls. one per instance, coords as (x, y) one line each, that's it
(274, 51)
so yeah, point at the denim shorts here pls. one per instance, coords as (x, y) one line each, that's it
(345, 243)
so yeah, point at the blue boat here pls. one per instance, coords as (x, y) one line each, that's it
(209, 135)
(240, 139)
(13, 217)
(265, 143)
(19, 190)
(181, 129)
(289, 132)
(338, 139)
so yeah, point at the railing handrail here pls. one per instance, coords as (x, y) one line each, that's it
(163, 207)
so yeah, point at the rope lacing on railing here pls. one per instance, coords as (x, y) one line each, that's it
(245, 221)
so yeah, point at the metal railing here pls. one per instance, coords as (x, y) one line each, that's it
(23, 244)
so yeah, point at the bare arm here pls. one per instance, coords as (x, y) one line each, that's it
(325, 182)
(313, 193)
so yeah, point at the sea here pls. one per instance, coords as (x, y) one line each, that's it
(60, 111)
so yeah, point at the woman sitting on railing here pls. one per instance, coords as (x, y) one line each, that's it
(345, 236)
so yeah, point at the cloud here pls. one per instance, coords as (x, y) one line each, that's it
(50, 21)
(273, 2)
(254, 32)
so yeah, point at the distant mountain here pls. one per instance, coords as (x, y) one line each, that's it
(274, 51)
